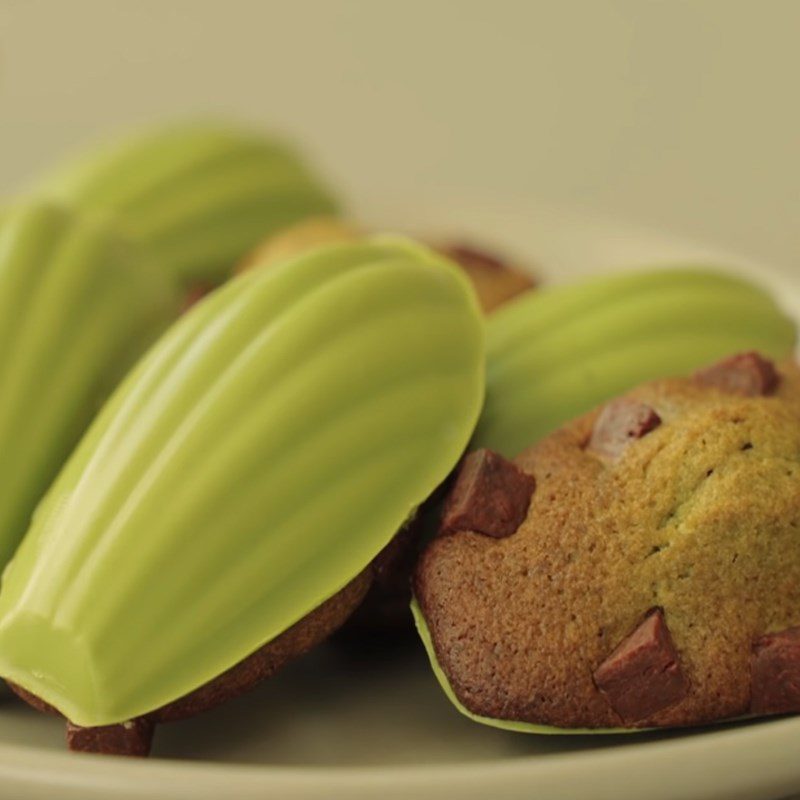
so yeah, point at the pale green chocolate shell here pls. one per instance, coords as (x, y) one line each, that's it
(78, 305)
(259, 457)
(558, 352)
(198, 195)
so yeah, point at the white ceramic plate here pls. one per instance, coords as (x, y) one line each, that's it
(372, 722)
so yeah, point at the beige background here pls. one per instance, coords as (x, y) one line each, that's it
(677, 114)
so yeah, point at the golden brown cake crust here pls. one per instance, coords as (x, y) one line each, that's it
(700, 517)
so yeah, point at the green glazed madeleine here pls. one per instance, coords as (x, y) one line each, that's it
(77, 306)
(556, 353)
(199, 195)
(254, 462)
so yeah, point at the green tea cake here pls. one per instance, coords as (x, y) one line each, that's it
(222, 514)
(495, 281)
(558, 352)
(638, 568)
(78, 304)
(198, 195)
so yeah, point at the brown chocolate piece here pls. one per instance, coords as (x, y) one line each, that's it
(643, 674)
(131, 738)
(467, 255)
(775, 687)
(746, 374)
(494, 279)
(194, 294)
(491, 496)
(619, 424)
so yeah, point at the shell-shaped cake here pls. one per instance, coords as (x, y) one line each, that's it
(78, 305)
(558, 352)
(255, 462)
(637, 568)
(199, 195)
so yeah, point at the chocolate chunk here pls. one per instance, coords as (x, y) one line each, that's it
(747, 374)
(495, 281)
(620, 423)
(491, 495)
(775, 682)
(131, 738)
(194, 294)
(469, 256)
(643, 674)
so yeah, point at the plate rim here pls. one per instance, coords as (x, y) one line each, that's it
(740, 748)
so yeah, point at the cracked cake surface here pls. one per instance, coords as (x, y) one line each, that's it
(695, 520)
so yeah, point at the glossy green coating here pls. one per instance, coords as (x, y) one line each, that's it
(259, 457)
(78, 305)
(199, 195)
(558, 352)
(504, 724)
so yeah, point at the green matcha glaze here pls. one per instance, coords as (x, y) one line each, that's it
(77, 307)
(252, 464)
(200, 196)
(556, 353)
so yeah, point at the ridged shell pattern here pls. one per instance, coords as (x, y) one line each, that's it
(252, 464)
(558, 352)
(199, 195)
(78, 305)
